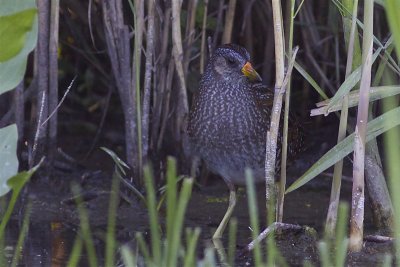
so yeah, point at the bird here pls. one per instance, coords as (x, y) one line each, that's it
(229, 119)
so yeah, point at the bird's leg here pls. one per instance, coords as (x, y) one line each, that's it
(229, 211)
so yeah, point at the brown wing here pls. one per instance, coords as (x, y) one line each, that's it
(265, 98)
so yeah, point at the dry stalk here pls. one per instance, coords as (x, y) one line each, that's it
(229, 18)
(272, 133)
(271, 229)
(219, 22)
(42, 73)
(53, 76)
(118, 49)
(183, 106)
(147, 79)
(190, 33)
(203, 39)
(158, 115)
(357, 203)
(331, 217)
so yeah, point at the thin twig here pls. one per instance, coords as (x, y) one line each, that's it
(270, 230)
(61, 101)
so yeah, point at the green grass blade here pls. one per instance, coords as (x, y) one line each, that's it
(309, 79)
(171, 193)
(76, 252)
(183, 200)
(393, 17)
(349, 83)
(22, 235)
(323, 249)
(232, 241)
(375, 93)
(85, 227)
(153, 216)
(17, 182)
(252, 204)
(342, 149)
(341, 235)
(112, 218)
(190, 253)
(128, 257)
(144, 249)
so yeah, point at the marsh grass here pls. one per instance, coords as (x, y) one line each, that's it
(165, 90)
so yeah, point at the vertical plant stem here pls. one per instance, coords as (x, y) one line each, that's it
(272, 133)
(252, 204)
(19, 113)
(42, 73)
(147, 79)
(53, 76)
(128, 256)
(219, 23)
(203, 38)
(393, 167)
(392, 137)
(331, 217)
(22, 235)
(192, 240)
(190, 33)
(229, 19)
(153, 216)
(161, 88)
(282, 182)
(232, 241)
(357, 209)
(112, 218)
(183, 106)
(85, 227)
(139, 22)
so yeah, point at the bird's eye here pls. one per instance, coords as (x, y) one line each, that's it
(231, 61)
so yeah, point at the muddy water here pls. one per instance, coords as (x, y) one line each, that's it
(55, 221)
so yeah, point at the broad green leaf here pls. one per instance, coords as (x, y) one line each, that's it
(12, 71)
(13, 31)
(9, 7)
(8, 156)
(375, 127)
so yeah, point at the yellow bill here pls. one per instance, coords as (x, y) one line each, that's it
(251, 73)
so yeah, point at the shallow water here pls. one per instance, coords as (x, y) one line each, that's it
(55, 222)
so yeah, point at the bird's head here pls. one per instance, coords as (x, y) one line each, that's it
(232, 62)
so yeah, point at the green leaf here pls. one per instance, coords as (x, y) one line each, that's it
(19, 180)
(348, 84)
(13, 31)
(118, 162)
(12, 71)
(392, 12)
(8, 156)
(375, 93)
(310, 80)
(375, 127)
(16, 182)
